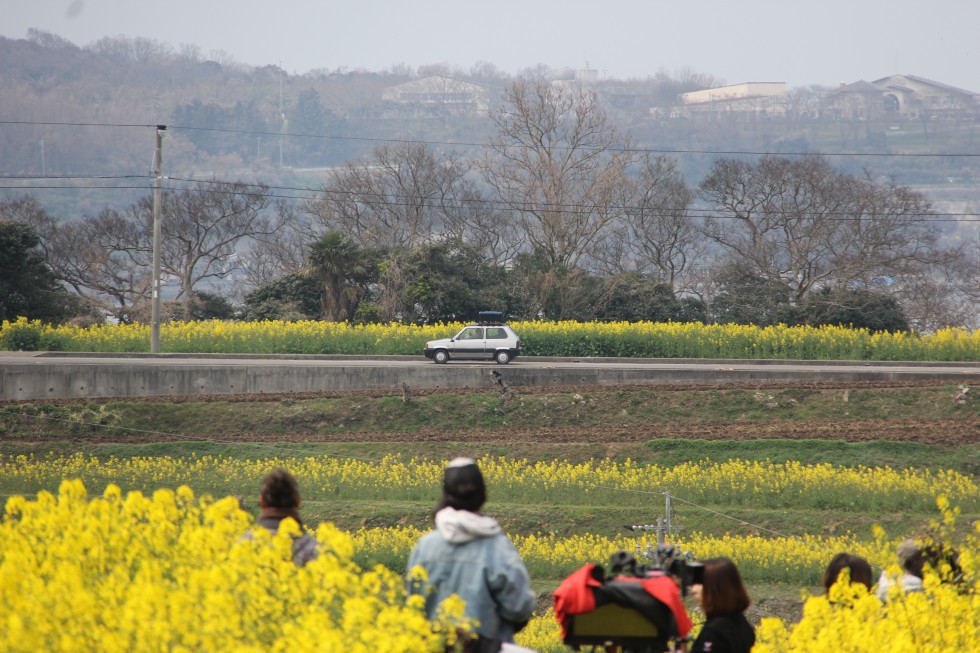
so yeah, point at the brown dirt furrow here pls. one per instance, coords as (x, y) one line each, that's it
(521, 390)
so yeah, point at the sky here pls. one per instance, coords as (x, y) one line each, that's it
(823, 42)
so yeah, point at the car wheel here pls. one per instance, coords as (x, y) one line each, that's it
(441, 356)
(502, 357)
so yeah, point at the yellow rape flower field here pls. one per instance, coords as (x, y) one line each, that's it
(564, 338)
(165, 567)
(767, 484)
(172, 572)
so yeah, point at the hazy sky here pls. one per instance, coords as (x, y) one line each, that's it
(815, 42)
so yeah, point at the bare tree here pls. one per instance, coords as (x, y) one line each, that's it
(402, 196)
(805, 224)
(889, 232)
(943, 295)
(777, 216)
(560, 166)
(283, 249)
(486, 72)
(480, 223)
(657, 233)
(105, 259)
(201, 228)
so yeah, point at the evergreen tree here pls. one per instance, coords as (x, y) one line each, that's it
(28, 287)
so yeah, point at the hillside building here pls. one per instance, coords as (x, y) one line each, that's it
(756, 98)
(901, 97)
(440, 92)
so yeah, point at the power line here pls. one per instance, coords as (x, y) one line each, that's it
(73, 124)
(406, 201)
(375, 196)
(30, 177)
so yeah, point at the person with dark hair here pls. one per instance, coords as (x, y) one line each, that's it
(858, 568)
(914, 557)
(468, 555)
(723, 599)
(279, 498)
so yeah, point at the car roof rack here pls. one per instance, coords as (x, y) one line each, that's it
(491, 317)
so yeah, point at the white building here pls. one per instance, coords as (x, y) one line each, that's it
(439, 91)
(768, 98)
(743, 91)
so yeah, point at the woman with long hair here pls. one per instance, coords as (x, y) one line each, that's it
(723, 599)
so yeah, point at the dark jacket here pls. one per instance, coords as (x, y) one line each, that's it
(725, 633)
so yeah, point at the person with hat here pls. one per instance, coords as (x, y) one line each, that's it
(467, 554)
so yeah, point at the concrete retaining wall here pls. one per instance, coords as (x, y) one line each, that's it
(21, 379)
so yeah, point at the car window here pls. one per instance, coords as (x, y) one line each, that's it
(496, 333)
(471, 334)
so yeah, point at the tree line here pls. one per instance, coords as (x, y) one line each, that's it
(559, 218)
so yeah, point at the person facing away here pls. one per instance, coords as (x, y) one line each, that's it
(723, 599)
(914, 557)
(279, 498)
(467, 554)
(858, 568)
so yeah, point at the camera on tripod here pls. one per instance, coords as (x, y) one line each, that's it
(638, 606)
(662, 559)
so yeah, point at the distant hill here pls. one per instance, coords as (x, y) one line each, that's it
(84, 112)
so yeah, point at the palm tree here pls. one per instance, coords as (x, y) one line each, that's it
(343, 269)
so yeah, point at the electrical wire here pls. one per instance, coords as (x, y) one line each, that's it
(406, 201)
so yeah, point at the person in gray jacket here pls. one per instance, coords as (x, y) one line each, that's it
(279, 498)
(468, 555)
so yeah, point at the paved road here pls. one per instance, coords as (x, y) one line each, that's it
(26, 376)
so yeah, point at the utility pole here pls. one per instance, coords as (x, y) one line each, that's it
(282, 113)
(155, 300)
(44, 169)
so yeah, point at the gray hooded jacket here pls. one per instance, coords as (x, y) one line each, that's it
(469, 555)
(305, 548)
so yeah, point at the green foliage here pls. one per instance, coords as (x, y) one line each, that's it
(859, 309)
(209, 306)
(881, 453)
(21, 336)
(747, 298)
(290, 297)
(28, 287)
(551, 291)
(452, 283)
(634, 297)
(344, 273)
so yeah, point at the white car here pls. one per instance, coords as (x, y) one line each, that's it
(490, 339)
